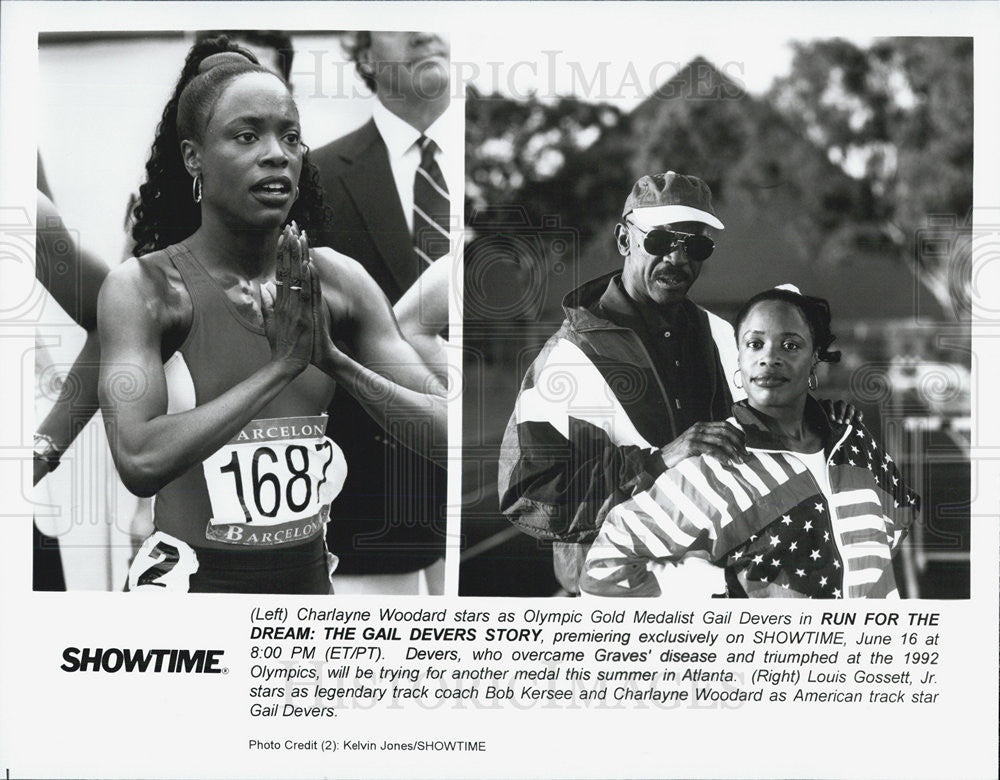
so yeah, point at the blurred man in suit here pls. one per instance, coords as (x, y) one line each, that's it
(394, 188)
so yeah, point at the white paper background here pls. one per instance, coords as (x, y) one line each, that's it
(54, 724)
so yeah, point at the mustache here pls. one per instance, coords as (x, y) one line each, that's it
(671, 274)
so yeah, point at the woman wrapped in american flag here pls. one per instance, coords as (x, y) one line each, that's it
(814, 510)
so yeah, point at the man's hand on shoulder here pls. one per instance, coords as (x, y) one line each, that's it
(842, 412)
(722, 440)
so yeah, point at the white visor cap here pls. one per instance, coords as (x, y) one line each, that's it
(651, 216)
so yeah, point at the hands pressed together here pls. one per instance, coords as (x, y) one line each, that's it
(297, 322)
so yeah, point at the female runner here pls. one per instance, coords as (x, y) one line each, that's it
(217, 357)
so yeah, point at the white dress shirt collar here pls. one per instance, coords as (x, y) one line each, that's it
(400, 140)
(400, 136)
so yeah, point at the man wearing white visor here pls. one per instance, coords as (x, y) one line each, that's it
(636, 379)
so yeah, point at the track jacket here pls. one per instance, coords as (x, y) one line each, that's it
(766, 521)
(590, 418)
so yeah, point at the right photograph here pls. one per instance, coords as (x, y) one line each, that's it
(717, 324)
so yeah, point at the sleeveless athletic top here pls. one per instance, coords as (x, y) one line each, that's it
(272, 484)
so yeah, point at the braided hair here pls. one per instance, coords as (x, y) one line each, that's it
(165, 212)
(815, 311)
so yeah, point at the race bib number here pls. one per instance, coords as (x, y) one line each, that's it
(274, 482)
(163, 564)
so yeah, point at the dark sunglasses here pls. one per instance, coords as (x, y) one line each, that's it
(660, 242)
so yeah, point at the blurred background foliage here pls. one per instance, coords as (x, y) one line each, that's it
(856, 147)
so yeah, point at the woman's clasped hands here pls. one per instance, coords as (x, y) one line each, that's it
(296, 318)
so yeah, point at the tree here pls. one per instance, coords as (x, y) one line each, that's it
(896, 117)
(538, 155)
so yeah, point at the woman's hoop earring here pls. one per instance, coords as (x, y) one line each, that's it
(813, 382)
(196, 188)
(738, 379)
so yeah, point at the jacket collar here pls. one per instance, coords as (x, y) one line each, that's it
(357, 143)
(759, 436)
(621, 308)
(582, 305)
(588, 307)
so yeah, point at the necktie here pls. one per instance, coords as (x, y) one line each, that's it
(431, 209)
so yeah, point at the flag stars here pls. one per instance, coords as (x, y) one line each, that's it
(822, 582)
(836, 593)
(836, 563)
(819, 507)
(758, 559)
(800, 572)
(814, 555)
(775, 540)
(775, 562)
(808, 525)
(851, 462)
(793, 546)
(895, 480)
(786, 520)
(826, 536)
(854, 449)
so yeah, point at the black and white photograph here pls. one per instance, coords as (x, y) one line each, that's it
(814, 194)
(512, 390)
(236, 435)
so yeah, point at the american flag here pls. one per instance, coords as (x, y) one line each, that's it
(766, 520)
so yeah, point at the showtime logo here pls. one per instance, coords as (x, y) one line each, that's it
(115, 659)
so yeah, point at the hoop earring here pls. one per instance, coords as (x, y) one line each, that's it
(196, 188)
(295, 197)
(738, 379)
(813, 381)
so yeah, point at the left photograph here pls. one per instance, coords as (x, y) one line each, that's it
(246, 240)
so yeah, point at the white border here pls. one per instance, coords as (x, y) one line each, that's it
(116, 727)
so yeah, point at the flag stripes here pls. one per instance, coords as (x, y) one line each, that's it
(791, 539)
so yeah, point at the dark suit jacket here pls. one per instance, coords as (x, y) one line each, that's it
(389, 517)
(368, 221)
